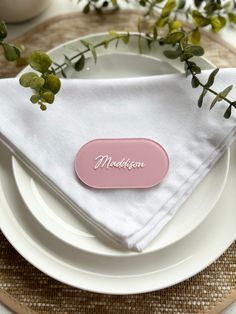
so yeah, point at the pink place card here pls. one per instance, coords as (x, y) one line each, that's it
(121, 163)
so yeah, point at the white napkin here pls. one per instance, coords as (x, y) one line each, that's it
(162, 108)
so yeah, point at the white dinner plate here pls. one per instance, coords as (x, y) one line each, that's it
(56, 217)
(116, 274)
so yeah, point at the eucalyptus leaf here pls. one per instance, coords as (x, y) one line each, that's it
(200, 100)
(11, 52)
(225, 92)
(195, 50)
(172, 54)
(185, 56)
(86, 8)
(199, 19)
(174, 37)
(198, 3)
(43, 107)
(48, 97)
(125, 39)
(175, 25)
(232, 17)
(214, 101)
(34, 99)
(52, 83)
(79, 65)
(217, 23)
(195, 82)
(37, 82)
(93, 51)
(211, 78)
(162, 21)
(169, 6)
(195, 36)
(40, 61)
(3, 30)
(196, 69)
(211, 7)
(181, 4)
(228, 112)
(85, 43)
(26, 78)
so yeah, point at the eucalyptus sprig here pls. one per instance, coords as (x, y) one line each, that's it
(46, 84)
(185, 51)
(11, 51)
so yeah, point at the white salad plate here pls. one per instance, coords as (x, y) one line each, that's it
(66, 224)
(104, 267)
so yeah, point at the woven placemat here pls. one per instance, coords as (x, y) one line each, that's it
(27, 290)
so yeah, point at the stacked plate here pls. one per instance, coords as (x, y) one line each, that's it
(55, 239)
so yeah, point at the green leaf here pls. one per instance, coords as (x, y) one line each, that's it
(43, 107)
(85, 43)
(125, 39)
(195, 82)
(86, 8)
(232, 18)
(93, 51)
(211, 7)
(185, 56)
(114, 33)
(40, 61)
(11, 52)
(79, 65)
(217, 23)
(214, 102)
(195, 36)
(142, 3)
(198, 3)
(52, 83)
(195, 50)
(162, 21)
(175, 25)
(68, 61)
(48, 97)
(225, 92)
(173, 38)
(37, 82)
(34, 99)
(181, 4)
(199, 19)
(228, 112)
(3, 30)
(26, 78)
(196, 69)
(169, 6)
(172, 54)
(200, 100)
(211, 78)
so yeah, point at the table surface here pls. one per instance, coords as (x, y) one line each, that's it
(65, 6)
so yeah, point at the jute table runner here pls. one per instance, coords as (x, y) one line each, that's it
(26, 290)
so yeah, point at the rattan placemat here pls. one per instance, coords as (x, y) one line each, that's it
(27, 290)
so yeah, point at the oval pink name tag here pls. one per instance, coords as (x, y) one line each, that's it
(121, 163)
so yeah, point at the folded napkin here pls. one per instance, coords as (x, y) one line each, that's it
(162, 108)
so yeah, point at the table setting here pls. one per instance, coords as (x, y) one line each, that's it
(116, 189)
